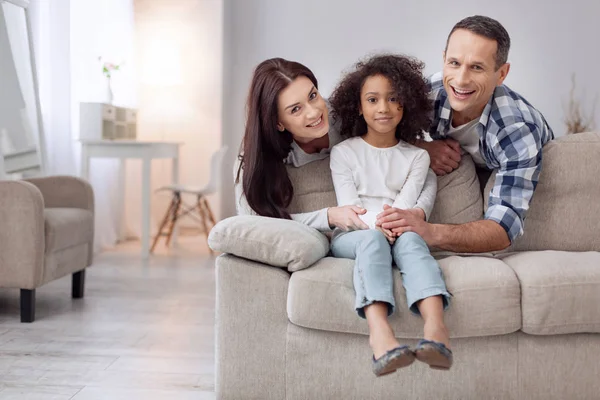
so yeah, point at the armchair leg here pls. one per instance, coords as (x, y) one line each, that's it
(78, 284)
(27, 305)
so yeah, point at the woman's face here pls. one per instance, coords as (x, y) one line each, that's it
(302, 111)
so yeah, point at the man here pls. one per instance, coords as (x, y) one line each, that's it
(474, 112)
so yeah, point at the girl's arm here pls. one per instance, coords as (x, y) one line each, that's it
(426, 199)
(408, 196)
(345, 188)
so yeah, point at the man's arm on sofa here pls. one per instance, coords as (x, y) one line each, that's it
(65, 191)
(473, 237)
(22, 238)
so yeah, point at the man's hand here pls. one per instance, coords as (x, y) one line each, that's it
(473, 237)
(389, 211)
(400, 221)
(389, 235)
(444, 154)
(346, 218)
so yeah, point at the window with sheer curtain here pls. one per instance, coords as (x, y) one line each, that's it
(69, 36)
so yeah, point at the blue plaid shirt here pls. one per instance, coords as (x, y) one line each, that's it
(511, 136)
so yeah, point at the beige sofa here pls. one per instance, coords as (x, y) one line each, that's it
(47, 232)
(525, 322)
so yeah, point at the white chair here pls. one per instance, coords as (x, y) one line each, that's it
(178, 209)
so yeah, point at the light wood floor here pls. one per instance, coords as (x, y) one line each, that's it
(144, 330)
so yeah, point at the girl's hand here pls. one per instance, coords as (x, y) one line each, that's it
(389, 235)
(346, 218)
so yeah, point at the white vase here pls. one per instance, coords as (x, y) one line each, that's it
(108, 96)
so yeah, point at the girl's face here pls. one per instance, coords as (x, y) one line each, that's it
(302, 111)
(380, 106)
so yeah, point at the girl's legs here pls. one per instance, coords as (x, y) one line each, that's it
(373, 283)
(432, 311)
(381, 334)
(422, 278)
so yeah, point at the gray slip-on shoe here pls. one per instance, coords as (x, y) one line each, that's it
(398, 357)
(435, 354)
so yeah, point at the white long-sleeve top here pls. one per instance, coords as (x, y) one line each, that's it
(369, 177)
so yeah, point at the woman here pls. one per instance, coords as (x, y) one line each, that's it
(288, 123)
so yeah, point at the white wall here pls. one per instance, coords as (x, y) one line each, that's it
(549, 42)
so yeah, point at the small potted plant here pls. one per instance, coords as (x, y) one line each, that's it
(107, 69)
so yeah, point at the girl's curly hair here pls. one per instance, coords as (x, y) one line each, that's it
(406, 77)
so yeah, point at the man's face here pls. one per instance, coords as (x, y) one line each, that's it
(470, 74)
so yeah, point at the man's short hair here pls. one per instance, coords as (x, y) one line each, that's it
(489, 28)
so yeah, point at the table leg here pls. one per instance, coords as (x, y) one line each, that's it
(120, 224)
(146, 197)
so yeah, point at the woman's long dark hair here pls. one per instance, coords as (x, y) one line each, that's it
(265, 181)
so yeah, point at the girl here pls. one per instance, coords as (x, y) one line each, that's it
(383, 107)
(288, 123)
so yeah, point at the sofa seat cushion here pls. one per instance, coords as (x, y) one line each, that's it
(486, 299)
(560, 291)
(66, 227)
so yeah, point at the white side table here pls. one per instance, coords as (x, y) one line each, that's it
(124, 149)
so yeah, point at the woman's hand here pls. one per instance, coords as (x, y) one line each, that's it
(346, 218)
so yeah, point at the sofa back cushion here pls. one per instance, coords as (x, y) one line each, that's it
(458, 197)
(564, 213)
(313, 187)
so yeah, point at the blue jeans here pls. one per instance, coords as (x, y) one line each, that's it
(373, 282)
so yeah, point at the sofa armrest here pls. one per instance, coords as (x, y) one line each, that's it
(65, 191)
(251, 329)
(275, 242)
(22, 240)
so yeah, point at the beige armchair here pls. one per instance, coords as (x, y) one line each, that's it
(47, 232)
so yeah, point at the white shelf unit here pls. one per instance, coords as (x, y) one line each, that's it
(100, 121)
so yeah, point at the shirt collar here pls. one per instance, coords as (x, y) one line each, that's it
(446, 115)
